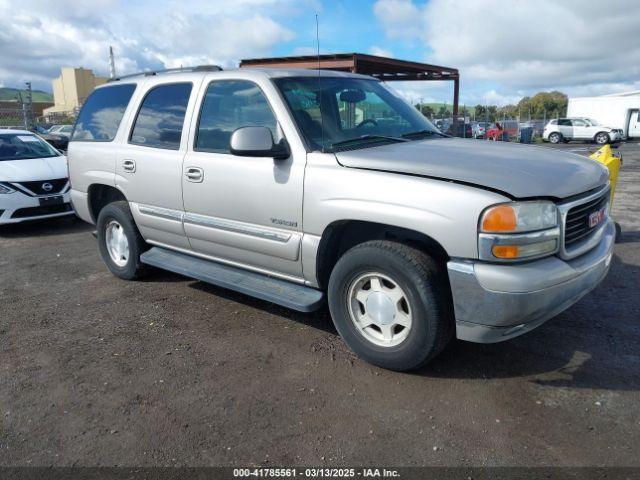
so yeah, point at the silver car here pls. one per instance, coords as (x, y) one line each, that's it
(299, 187)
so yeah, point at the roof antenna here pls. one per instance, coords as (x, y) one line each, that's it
(319, 94)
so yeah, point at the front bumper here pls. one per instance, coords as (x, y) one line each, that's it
(18, 207)
(493, 302)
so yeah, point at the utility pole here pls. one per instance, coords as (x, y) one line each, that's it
(27, 107)
(112, 63)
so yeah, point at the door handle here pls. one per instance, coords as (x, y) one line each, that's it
(194, 174)
(129, 166)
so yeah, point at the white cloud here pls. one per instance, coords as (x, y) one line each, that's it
(575, 45)
(399, 18)
(381, 52)
(36, 39)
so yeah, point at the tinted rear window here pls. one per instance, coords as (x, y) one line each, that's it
(101, 114)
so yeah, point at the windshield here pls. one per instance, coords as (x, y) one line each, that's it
(592, 122)
(21, 146)
(356, 113)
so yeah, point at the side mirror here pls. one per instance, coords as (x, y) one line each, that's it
(257, 142)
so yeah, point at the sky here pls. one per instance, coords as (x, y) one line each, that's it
(503, 49)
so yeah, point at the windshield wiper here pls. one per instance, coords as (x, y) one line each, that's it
(368, 137)
(421, 133)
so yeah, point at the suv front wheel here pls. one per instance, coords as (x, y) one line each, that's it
(119, 241)
(390, 304)
(602, 138)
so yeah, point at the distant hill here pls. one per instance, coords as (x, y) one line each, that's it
(12, 94)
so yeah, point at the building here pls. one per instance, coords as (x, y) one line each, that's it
(71, 89)
(386, 69)
(620, 110)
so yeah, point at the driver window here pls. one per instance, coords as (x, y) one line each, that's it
(365, 110)
(579, 123)
(227, 106)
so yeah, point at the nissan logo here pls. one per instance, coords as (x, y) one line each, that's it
(47, 187)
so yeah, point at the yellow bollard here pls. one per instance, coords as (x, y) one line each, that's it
(612, 162)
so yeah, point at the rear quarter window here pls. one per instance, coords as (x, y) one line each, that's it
(102, 113)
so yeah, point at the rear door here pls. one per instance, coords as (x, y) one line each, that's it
(565, 127)
(149, 161)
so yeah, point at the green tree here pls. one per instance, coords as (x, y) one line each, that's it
(541, 102)
(443, 111)
(426, 110)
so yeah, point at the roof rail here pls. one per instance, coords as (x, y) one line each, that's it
(151, 73)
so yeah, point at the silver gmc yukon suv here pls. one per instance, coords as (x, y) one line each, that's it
(293, 185)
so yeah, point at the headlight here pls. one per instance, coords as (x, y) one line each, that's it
(518, 231)
(519, 217)
(5, 189)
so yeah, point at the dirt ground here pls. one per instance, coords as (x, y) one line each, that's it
(170, 371)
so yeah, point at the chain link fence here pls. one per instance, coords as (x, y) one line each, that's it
(23, 113)
(15, 116)
(493, 125)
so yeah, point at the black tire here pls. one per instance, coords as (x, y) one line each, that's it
(602, 138)
(120, 213)
(555, 137)
(427, 291)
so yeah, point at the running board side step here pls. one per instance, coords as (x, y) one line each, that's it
(288, 294)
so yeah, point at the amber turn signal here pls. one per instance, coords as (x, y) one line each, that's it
(505, 251)
(501, 218)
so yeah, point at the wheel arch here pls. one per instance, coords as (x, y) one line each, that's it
(341, 235)
(100, 195)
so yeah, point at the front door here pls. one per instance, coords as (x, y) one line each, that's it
(634, 124)
(581, 129)
(242, 210)
(149, 163)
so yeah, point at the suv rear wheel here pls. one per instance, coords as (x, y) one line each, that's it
(390, 304)
(555, 137)
(601, 138)
(119, 241)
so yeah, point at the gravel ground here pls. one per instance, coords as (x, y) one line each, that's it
(170, 371)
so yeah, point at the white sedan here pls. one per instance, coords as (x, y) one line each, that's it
(34, 182)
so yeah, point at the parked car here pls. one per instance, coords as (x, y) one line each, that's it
(496, 132)
(56, 140)
(41, 128)
(240, 179)
(566, 129)
(33, 178)
(461, 129)
(478, 130)
(64, 130)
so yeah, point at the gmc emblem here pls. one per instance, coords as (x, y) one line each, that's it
(596, 217)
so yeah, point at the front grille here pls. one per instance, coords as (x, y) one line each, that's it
(577, 223)
(36, 187)
(38, 211)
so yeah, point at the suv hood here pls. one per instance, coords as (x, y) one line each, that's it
(519, 170)
(31, 169)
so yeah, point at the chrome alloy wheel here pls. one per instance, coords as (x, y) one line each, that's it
(379, 309)
(117, 243)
